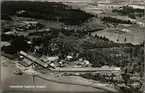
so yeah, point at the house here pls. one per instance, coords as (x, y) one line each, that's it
(87, 63)
(30, 22)
(21, 12)
(20, 28)
(52, 65)
(126, 30)
(63, 63)
(44, 59)
(29, 42)
(80, 63)
(36, 48)
(69, 58)
(9, 33)
(50, 59)
(53, 58)
(3, 43)
(46, 29)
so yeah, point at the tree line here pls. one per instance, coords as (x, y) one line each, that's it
(45, 10)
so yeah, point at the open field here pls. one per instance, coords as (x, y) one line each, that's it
(134, 37)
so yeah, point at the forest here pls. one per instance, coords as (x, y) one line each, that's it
(109, 19)
(130, 12)
(45, 10)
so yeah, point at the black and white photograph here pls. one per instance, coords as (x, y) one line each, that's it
(72, 46)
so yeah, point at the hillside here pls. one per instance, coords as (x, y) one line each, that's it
(45, 10)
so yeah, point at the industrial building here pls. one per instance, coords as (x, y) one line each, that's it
(88, 69)
(33, 59)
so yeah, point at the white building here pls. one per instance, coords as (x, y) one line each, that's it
(108, 5)
(49, 59)
(30, 22)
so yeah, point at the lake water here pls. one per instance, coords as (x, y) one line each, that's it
(134, 37)
(10, 79)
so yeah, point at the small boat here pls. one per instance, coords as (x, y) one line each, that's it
(18, 72)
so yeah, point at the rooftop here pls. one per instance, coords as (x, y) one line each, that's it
(87, 69)
(33, 59)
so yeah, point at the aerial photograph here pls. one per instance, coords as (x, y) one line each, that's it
(72, 46)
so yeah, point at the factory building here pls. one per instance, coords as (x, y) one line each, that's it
(88, 69)
(33, 59)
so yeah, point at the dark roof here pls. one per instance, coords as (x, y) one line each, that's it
(33, 59)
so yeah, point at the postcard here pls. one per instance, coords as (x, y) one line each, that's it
(64, 46)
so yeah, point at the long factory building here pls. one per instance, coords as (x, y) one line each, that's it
(33, 59)
(94, 69)
(65, 69)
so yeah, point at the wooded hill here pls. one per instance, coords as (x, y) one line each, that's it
(45, 10)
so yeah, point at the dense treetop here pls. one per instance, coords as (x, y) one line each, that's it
(45, 10)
